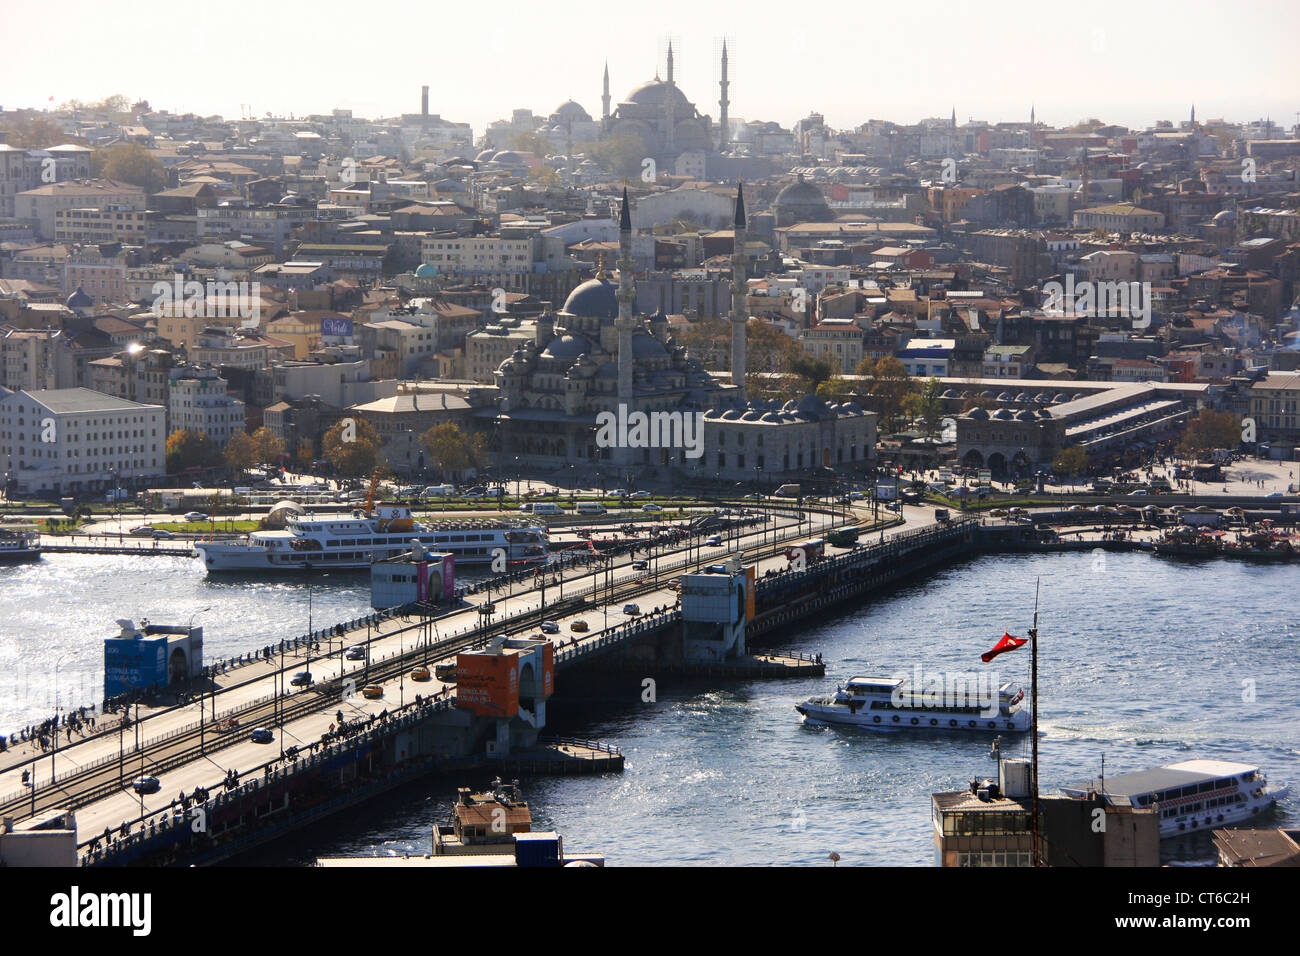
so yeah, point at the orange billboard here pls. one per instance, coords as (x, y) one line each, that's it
(548, 669)
(488, 684)
(749, 593)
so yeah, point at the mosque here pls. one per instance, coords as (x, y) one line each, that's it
(596, 355)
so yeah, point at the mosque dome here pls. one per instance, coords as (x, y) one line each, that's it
(571, 112)
(595, 299)
(567, 346)
(426, 271)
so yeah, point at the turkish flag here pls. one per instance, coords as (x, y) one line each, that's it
(1008, 643)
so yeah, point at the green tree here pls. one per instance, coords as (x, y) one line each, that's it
(812, 371)
(887, 384)
(620, 154)
(129, 163)
(187, 449)
(35, 132)
(530, 142)
(240, 452)
(1207, 430)
(451, 452)
(1070, 462)
(925, 408)
(269, 448)
(352, 446)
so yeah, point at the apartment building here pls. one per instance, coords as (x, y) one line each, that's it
(197, 401)
(41, 205)
(71, 440)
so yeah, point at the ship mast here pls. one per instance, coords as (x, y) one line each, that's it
(1033, 648)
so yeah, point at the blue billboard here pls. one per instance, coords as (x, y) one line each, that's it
(134, 664)
(336, 327)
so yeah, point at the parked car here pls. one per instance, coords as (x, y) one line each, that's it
(146, 784)
(261, 736)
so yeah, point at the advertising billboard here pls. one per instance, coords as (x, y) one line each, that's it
(134, 664)
(488, 684)
(336, 326)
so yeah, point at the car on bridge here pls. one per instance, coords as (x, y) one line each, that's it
(550, 627)
(632, 610)
(640, 565)
(420, 673)
(301, 679)
(356, 653)
(146, 784)
(261, 735)
(578, 625)
(373, 692)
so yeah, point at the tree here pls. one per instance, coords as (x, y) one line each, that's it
(835, 389)
(529, 142)
(304, 458)
(187, 449)
(926, 407)
(812, 370)
(709, 340)
(544, 176)
(1209, 429)
(451, 452)
(36, 132)
(620, 154)
(1071, 462)
(240, 452)
(129, 163)
(887, 383)
(269, 448)
(352, 446)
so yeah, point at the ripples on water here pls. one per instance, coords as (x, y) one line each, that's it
(1145, 662)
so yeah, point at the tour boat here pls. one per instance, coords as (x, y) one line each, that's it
(359, 540)
(889, 703)
(1192, 795)
(19, 544)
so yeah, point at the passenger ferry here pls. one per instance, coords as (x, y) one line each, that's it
(19, 544)
(336, 541)
(889, 703)
(1192, 795)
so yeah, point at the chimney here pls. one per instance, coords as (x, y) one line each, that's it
(424, 101)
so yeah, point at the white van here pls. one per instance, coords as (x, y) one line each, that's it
(590, 508)
(546, 508)
(438, 491)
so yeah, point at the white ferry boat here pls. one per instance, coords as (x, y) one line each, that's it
(19, 544)
(359, 540)
(888, 703)
(1192, 795)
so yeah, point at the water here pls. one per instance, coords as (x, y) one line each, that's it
(1144, 661)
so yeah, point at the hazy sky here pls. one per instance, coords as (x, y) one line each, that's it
(1125, 61)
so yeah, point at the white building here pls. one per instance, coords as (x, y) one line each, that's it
(198, 402)
(75, 440)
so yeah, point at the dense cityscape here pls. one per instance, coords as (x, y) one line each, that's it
(424, 493)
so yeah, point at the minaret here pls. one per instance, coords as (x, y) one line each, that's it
(739, 290)
(626, 294)
(1193, 123)
(670, 120)
(1031, 115)
(723, 102)
(954, 117)
(604, 100)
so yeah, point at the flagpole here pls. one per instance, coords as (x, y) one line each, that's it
(1033, 680)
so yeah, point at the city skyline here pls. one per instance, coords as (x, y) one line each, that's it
(854, 79)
